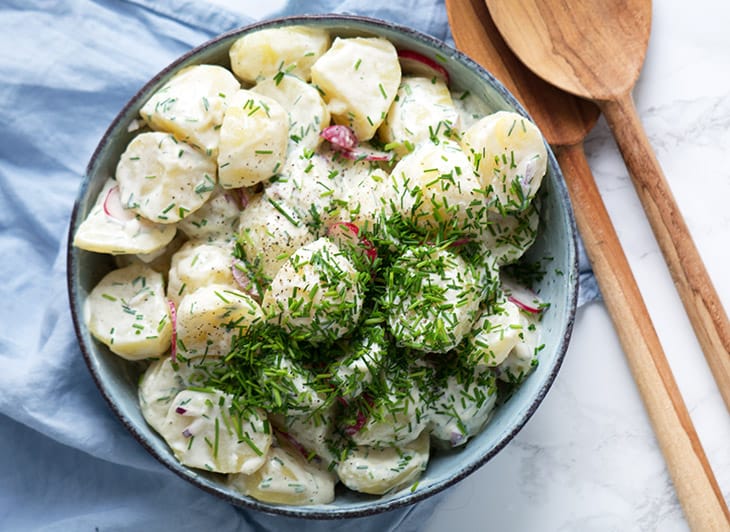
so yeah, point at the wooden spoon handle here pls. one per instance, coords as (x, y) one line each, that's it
(695, 483)
(694, 285)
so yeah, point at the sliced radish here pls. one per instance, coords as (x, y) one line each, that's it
(342, 138)
(419, 65)
(173, 340)
(113, 207)
(358, 425)
(523, 297)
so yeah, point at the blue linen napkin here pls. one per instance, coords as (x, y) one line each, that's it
(66, 68)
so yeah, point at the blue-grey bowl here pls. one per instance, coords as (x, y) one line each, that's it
(555, 247)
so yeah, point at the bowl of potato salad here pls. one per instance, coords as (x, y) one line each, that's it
(323, 266)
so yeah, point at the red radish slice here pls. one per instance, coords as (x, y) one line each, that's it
(419, 65)
(358, 425)
(523, 297)
(173, 340)
(243, 280)
(113, 207)
(342, 138)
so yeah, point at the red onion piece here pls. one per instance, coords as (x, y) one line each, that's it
(180, 410)
(244, 282)
(293, 442)
(187, 433)
(359, 424)
(418, 64)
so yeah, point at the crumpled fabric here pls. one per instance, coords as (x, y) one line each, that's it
(66, 69)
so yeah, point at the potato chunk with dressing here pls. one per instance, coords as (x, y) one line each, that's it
(128, 312)
(359, 77)
(206, 431)
(509, 154)
(191, 105)
(110, 228)
(253, 140)
(164, 179)
(209, 319)
(265, 53)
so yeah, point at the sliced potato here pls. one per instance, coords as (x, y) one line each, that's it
(209, 319)
(110, 228)
(128, 312)
(509, 154)
(287, 478)
(191, 105)
(380, 470)
(359, 77)
(308, 114)
(265, 53)
(164, 179)
(205, 431)
(253, 140)
(196, 264)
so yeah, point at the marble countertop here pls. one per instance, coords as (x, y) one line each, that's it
(588, 459)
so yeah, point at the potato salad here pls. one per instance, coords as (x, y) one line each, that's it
(315, 248)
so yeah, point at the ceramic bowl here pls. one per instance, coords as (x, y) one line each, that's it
(555, 247)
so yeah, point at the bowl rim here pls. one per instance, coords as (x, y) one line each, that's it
(378, 505)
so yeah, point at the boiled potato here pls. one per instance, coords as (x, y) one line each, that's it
(359, 77)
(269, 233)
(509, 154)
(287, 478)
(268, 52)
(205, 431)
(317, 294)
(191, 105)
(381, 470)
(211, 318)
(217, 219)
(308, 114)
(436, 189)
(196, 264)
(423, 110)
(162, 381)
(110, 228)
(495, 334)
(164, 179)
(253, 140)
(128, 312)
(432, 299)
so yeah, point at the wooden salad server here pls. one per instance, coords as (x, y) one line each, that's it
(565, 121)
(596, 50)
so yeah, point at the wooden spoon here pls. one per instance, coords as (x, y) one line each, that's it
(565, 121)
(596, 50)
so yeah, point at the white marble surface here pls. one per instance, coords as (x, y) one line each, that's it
(588, 459)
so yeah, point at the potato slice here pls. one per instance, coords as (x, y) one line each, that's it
(205, 431)
(308, 114)
(509, 154)
(109, 228)
(196, 264)
(380, 470)
(422, 110)
(191, 105)
(253, 140)
(265, 53)
(287, 478)
(359, 77)
(128, 312)
(209, 319)
(164, 179)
